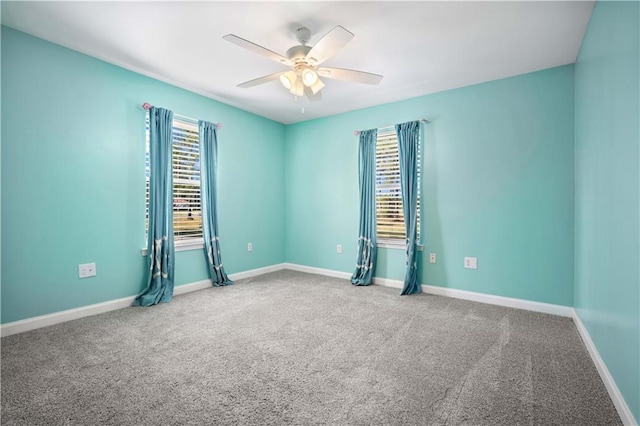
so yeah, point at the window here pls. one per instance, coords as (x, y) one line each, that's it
(187, 217)
(389, 215)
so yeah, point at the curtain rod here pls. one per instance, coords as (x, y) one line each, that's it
(147, 106)
(422, 120)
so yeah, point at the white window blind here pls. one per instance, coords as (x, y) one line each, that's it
(389, 214)
(187, 217)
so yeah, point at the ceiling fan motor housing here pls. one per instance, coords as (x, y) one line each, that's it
(297, 53)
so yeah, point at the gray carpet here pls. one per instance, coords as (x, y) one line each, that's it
(295, 348)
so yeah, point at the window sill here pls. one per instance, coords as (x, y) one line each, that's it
(185, 246)
(396, 246)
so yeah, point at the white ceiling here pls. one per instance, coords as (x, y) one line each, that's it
(419, 47)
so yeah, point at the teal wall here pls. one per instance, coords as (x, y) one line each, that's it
(497, 185)
(73, 179)
(607, 188)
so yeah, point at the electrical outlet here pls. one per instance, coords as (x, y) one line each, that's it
(432, 258)
(250, 247)
(86, 270)
(339, 248)
(471, 262)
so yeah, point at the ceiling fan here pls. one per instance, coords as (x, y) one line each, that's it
(303, 77)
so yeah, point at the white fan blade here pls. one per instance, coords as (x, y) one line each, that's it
(261, 80)
(350, 75)
(329, 45)
(257, 49)
(313, 98)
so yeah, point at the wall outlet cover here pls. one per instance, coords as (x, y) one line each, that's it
(86, 270)
(471, 262)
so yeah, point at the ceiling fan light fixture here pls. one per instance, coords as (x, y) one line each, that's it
(318, 85)
(288, 79)
(309, 77)
(297, 89)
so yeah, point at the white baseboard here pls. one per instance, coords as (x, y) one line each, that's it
(63, 316)
(112, 305)
(98, 308)
(623, 409)
(546, 308)
(188, 288)
(256, 272)
(319, 271)
(388, 282)
(509, 302)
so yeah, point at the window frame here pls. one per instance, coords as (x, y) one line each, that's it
(183, 124)
(398, 243)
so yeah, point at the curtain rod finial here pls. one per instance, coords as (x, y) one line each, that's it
(356, 132)
(219, 126)
(146, 106)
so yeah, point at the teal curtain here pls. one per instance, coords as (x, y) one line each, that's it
(408, 145)
(208, 200)
(160, 249)
(367, 243)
